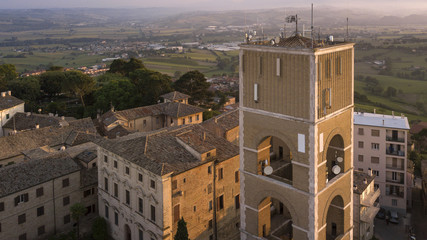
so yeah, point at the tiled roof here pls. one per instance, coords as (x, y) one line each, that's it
(380, 120)
(226, 121)
(172, 109)
(175, 95)
(21, 176)
(86, 156)
(161, 153)
(77, 132)
(9, 102)
(358, 181)
(27, 121)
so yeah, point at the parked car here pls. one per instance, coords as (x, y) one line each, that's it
(381, 214)
(394, 217)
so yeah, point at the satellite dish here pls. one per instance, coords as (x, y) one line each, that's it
(340, 159)
(268, 170)
(336, 169)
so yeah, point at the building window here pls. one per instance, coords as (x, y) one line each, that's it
(360, 144)
(190, 119)
(157, 120)
(1, 206)
(220, 201)
(360, 169)
(174, 184)
(394, 176)
(360, 158)
(116, 218)
(106, 184)
(21, 218)
(105, 159)
(360, 131)
(209, 169)
(197, 117)
(260, 65)
(67, 219)
(375, 133)
(87, 193)
(375, 146)
(236, 176)
(210, 224)
(152, 184)
(394, 202)
(183, 121)
(237, 201)
(278, 66)
(115, 164)
(209, 188)
(39, 192)
(184, 180)
(40, 211)
(328, 68)
(376, 173)
(116, 190)
(153, 213)
(220, 173)
(256, 93)
(107, 212)
(66, 200)
(21, 198)
(375, 160)
(144, 123)
(65, 182)
(127, 197)
(140, 177)
(210, 205)
(376, 186)
(194, 208)
(140, 234)
(338, 65)
(23, 236)
(7, 116)
(40, 230)
(176, 215)
(127, 170)
(140, 205)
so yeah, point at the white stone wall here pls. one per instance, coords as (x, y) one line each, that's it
(11, 112)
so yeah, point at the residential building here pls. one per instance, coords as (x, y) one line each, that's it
(36, 196)
(175, 96)
(14, 148)
(380, 143)
(29, 121)
(9, 105)
(148, 118)
(148, 181)
(296, 126)
(365, 205)
(225, 125)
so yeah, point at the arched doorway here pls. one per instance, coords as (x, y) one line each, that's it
(128, 233)
(275, 159)
(335, 157)
(274, 220)
(335, 218)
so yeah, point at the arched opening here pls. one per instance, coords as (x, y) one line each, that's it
(275, 159)
(335, 157)
(335, 219)
(274, 220)
(128, 233)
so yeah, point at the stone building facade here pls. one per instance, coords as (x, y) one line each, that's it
(9, 105)
(296, 126)
(148, 181)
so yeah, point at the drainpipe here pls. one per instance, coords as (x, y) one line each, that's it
(214, 200)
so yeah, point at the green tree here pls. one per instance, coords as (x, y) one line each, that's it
(194, 84)
(150, 85)
(118, 66)
(125, 68)
(7, 74)
(51, 82)
(55, 68)
(27, 88)
(77, 212)
(391, 92)
(120, 93)
(79, 84)
(105, 78)
(99, 229)
(181, 232)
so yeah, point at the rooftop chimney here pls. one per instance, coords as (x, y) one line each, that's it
(365, 181)
(392, 113)
(370, 171)
(37, 126)
(3, 94)
(9, 93)
(28, 114)
(375, 110)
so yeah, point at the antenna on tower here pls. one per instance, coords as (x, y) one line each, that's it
(312, 27)
(347, 31)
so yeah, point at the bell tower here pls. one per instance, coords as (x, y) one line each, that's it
(296, 131)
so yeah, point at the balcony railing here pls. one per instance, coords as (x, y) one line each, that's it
(398, 181)
(394, 139)
(396, 194)
(390, 166)
(369, 213)
(395, 153)
(370, 199)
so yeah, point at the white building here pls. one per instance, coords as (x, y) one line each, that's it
(380, 145)
(9, 105)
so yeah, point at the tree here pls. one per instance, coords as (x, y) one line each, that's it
(150, 84)
(120, 93)
(51, 82)
(77, 212)
(181, 232)
(27, 88)
(125, 68)
(99, 229)
(79, 84)
(194, 84)
(7, 74)
(55, 68)
(118, 66)
(391, 92)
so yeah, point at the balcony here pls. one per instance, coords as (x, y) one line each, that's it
(370, 199)
(395, 139)
(395, 191)
(395, 136)
(395, 149)
(395, 153)
(397, 181)
(395, 167)
(368, 214)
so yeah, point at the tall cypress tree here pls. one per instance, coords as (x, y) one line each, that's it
(182, 232)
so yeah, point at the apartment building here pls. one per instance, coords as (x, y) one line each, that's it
(149, 118)
(148, 181)
(296, 139)
(380, 143)
(9, 105)
(365, 205)
(175, 96)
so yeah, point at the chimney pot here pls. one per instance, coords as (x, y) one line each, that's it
(3, 94)
(37, 126)
(9, 93)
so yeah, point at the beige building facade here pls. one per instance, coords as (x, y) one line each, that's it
(9, 105)
(380, 146)
(296, 126)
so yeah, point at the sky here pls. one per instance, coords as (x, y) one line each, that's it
(381, 5)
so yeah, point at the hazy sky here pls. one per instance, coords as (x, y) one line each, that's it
(383, 5)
